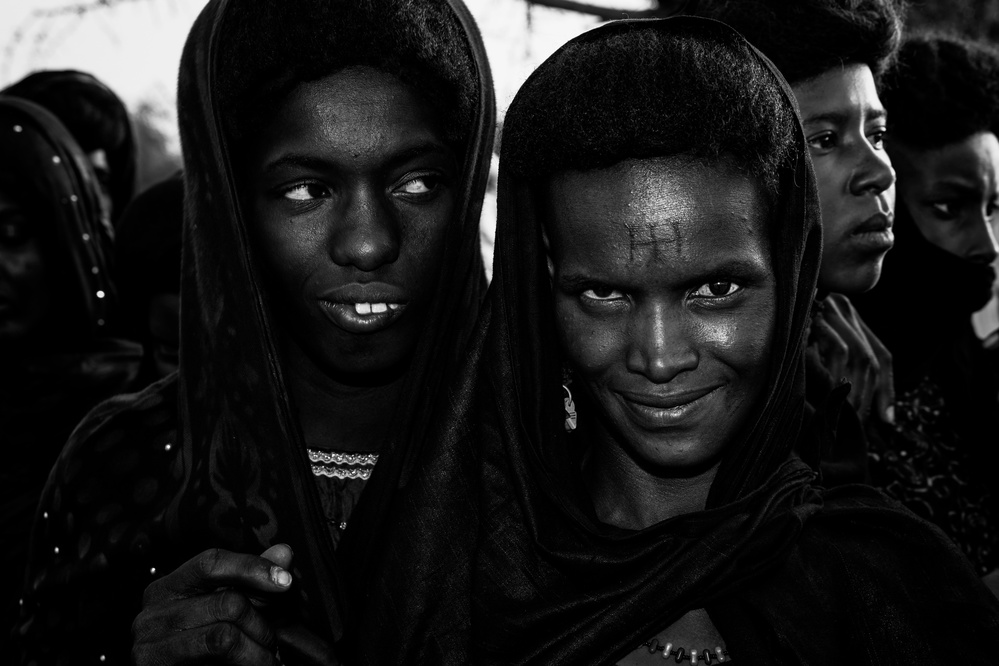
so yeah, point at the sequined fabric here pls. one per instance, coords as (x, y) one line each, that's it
(924, 464)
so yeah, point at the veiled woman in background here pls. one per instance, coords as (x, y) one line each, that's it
(336, 161)
(657, 251)
(56, 302)
(98, 120)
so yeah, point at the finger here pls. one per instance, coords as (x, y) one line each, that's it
(221, 643)
(832, 350)
(216, 568)
(280, 554)
(224, 606)
(885, 396)
(838, 318)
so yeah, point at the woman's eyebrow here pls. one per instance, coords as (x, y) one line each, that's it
(296, 160)
(316, 163)
(842, 116)
(423, 149)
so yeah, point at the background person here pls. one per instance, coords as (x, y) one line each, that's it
(57, 360)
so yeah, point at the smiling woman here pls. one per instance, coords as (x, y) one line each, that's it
(658, 247)
(336, 159)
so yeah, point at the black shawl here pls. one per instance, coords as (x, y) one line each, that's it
(48, 384)
(789, 573)
(214, 456)
(64, 93)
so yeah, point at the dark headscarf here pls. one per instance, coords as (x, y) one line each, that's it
(46, 388)
(771, 557)
(45, 169)
(229, 468)
(248, 417)
(96, 118)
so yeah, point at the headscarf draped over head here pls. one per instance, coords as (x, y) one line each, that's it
(551, 583)
(243, 452)
(45, 169)
(95, 116)
(68, 365)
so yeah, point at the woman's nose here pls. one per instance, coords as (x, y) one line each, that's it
(873, 173)
(367, 235)
(982, 247)
(661, 346)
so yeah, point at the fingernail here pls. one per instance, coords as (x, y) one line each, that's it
(280, 577)
(890, 414)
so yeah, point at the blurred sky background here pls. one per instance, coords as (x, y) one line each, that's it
(134, 46)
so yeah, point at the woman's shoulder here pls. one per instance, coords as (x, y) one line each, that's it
(99, 536)
(864, 544)
(127, 424)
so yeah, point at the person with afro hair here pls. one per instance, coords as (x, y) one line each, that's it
(943, 97)
(833, 53)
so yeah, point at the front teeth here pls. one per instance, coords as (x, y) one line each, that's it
(374, 308)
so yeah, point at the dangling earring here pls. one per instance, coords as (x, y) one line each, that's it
(570, 410)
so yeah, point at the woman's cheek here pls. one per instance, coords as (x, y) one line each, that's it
(590, 344)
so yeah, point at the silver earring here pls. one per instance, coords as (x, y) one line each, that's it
(570, 410)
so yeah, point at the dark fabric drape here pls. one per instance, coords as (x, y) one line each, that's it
(939, 457)
(219, 440)
(50, 382)
(55, 90)
(551, 584)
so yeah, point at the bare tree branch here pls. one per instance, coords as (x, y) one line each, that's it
(663, 8)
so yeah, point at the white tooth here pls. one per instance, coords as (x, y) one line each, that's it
(394, 306)
(362, 308)
(378, 307)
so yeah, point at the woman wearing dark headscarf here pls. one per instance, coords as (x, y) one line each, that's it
(56, 362)
(336, 161)
(658, 242)
(99, 122)
(943, 98)
(833, 54)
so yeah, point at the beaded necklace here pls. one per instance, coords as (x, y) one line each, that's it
(342, 465)
(719, 654)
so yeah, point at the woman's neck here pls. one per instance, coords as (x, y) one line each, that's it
(625, 493)
(338, 415)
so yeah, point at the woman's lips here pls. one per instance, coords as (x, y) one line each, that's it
(663, 410)
(874, 234)
(364, 307)
(362, 317)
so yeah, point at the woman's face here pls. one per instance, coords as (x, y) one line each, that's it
(25, 296)
(350, 189)
(952, 193)
(845, 125)
(665, 302)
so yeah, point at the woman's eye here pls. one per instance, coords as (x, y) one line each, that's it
(719, 289)
(824, 141)
(420, 185)
(12, 233)
(945, 210)
(990, 208)
(603, 294)
(877, 139)
(305, 192)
